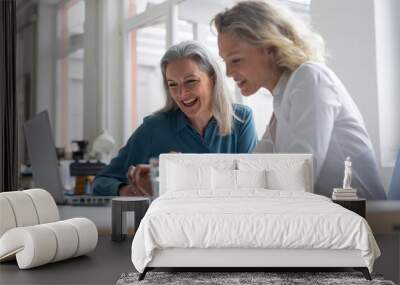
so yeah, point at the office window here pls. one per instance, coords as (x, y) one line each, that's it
(147, 46)
(143, 5)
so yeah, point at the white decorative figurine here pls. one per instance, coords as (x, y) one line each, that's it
(347, 174)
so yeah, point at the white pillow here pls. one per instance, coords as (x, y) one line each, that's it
(224, 179)
(227, 179)
(282, 174)
(251, 178)
(183, 177)
(292, 179)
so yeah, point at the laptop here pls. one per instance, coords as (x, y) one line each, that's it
(45, 166)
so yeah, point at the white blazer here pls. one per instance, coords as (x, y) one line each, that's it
(316, 114)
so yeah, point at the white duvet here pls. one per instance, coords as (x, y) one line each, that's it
(252, 218)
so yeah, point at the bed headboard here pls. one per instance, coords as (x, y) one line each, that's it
(296, 168)
(286, 167)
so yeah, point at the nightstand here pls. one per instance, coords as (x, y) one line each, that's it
(357, 205)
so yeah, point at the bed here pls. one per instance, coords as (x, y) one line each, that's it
(245, 211)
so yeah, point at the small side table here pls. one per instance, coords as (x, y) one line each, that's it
(357, 206)
(121, 205)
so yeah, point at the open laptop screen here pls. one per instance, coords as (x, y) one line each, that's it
(43, 156)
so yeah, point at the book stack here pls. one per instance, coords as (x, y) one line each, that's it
(344, 194)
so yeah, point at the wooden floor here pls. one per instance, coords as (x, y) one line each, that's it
(102, 266)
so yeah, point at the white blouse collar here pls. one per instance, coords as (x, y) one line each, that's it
(279, 90)
(280, 86)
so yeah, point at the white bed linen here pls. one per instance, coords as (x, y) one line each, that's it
(252, 218)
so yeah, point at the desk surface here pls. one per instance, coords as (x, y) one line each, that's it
(374, 206)
(383, 216)
(102, 266)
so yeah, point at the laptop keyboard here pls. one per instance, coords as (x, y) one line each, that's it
(88, 201)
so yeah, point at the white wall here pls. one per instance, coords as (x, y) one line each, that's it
(387, 19)
(352, 30)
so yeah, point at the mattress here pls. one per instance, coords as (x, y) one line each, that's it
(250, 219)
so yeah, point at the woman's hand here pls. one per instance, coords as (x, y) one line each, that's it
(139, 179)
(129, 190)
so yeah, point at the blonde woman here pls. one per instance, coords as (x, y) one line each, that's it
(198, 117)
(264, 46)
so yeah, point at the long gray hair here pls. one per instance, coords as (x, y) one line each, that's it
(221, 101)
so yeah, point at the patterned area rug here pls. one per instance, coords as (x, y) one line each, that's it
(229, 278)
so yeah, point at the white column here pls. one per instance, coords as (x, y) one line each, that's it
(111, 70)
(172, 23)
(91, 115)
(46, 72)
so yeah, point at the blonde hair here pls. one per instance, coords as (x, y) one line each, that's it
(265, 23)
(221, 101)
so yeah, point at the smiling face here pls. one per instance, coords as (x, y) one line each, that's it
(251, 67)
(190, 88)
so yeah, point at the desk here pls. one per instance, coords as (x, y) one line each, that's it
(384, 219)
(383, 216)
(102, 266)
(101, 216)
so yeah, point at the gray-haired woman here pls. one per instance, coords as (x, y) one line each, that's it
(263, 45)
(198, 117)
